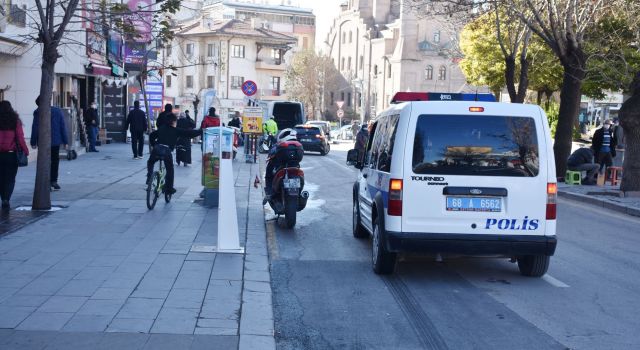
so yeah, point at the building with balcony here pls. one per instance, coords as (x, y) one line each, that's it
(214, 57)
(381, 47)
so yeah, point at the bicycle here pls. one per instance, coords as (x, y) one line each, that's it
(156, 186)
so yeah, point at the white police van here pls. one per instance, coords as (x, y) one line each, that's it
(454, 174)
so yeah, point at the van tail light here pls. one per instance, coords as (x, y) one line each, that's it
(320, 137)
(552, 196)
(394, 207)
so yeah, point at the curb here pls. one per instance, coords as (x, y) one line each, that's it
(600, 203)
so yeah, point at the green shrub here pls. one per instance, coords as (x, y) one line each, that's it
(552, 112)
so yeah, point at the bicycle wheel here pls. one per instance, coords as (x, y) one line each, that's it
(152, 190)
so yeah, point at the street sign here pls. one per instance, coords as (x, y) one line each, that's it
(249, 88)
(340, 113)
(252, 120)
(340, 104)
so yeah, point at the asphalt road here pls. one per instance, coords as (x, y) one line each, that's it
(327, 297)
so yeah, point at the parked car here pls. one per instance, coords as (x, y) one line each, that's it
(312, 138)
(344, 133)
(325, 125)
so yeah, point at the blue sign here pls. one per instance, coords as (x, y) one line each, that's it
(249, 88)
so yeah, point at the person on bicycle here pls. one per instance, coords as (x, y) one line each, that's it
(164, 142)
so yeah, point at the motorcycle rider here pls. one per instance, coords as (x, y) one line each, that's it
(274, 162)
(271, 130)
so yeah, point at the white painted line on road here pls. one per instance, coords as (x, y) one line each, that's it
(554, 282)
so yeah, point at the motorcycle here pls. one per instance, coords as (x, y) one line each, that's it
(288, 197)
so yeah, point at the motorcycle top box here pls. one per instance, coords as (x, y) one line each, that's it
(290, 151)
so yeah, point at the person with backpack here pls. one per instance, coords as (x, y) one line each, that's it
(11, 137)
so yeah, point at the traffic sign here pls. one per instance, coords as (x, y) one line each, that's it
(340, 113)
(249, 88)
(340, 104)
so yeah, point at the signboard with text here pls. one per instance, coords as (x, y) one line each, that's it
(252, 120)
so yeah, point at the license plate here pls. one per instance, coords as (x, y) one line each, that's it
(474, 204)
(291, 183)
(306, 140)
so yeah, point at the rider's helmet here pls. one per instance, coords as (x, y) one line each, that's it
(287, 135)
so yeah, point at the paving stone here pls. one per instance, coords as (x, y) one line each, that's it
(44, 286)
(169, 342)
(185, 298)
(228, 267)
(141, 308)
(130, 325)
(45, 321)
(95, 273)
(215, 331)
(121, 341)
(175, 321)
(80, 288)
(120, 282)
(251, 342)
(62, 304)
(217, 323)
(150, 293)
(260, 276)
(11, 316)
(25, 300)
(221, 309)
(195, 256)
(87, 323)
(156, 283)
(112, 293)
(101, 307)
(30, 340)
(254, 286)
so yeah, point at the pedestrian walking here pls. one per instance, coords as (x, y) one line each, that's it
(211, 120)
(11, 138)
(583, 160)
(58, 138)
(603, 145)
(183, 144)
(137, 125)
(91, 126)
(162, 118)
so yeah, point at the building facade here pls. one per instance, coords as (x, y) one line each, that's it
(380, 47)
(228, 43)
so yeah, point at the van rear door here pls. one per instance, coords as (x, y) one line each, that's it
(477, 172)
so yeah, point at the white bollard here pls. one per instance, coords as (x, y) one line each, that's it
(228, 234)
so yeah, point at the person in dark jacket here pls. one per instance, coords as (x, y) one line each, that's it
(11, 137)
(362, 137)
(603, 145)
(583, 160)
(58, 138)
(91, 126)
(168, 112)
(164, 142)
(235, 122)
(183, 146)
(137, 124)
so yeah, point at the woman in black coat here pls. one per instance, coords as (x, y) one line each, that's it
(183, 146)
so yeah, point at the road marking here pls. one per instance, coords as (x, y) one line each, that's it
(554, 282)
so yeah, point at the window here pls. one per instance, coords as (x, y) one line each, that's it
(468, 145)
(359, 97)
(442, 74)
(349, 99)
(342, 96)
(436, 37)
(168, 50)
(331, 94)
(349, 63)
(276, 55)
(237, 51)
(342, 66)
(389, 71)
(210, 81)
(168, 80)
(344, 37)
(428, 73)
(382, 145)
(375, 69)
(361, 62)
(189, 50)
(236, 82)
(189, 81)
(350, 37)
(275, 85)
(16, 15)
(210, 50)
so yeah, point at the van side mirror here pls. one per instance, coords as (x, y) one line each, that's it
(353, 158)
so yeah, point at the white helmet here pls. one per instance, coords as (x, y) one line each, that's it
(287, 135)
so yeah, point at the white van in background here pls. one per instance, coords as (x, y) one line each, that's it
(442, 175)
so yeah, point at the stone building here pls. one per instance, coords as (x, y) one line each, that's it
(381, 47)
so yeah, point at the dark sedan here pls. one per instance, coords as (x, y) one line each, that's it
(313, 139)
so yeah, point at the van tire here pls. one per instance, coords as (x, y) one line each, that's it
(533, 265)
(383, 262)
(358, 230)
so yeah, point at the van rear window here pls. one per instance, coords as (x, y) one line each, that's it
(474, 145)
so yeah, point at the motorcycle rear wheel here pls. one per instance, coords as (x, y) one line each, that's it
(290, 210)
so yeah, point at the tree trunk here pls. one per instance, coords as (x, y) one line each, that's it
(630, 121)
(510, 78)
(523, 82)
(548, 93)
(539, 97)
(42, 189)
(570, 95)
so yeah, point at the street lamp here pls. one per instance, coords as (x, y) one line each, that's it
(196, 102)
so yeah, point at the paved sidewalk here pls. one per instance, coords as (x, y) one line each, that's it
(603, 196)
(107, 273)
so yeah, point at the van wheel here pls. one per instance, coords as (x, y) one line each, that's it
(358, 230)
(533, 265)
(384, 262)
